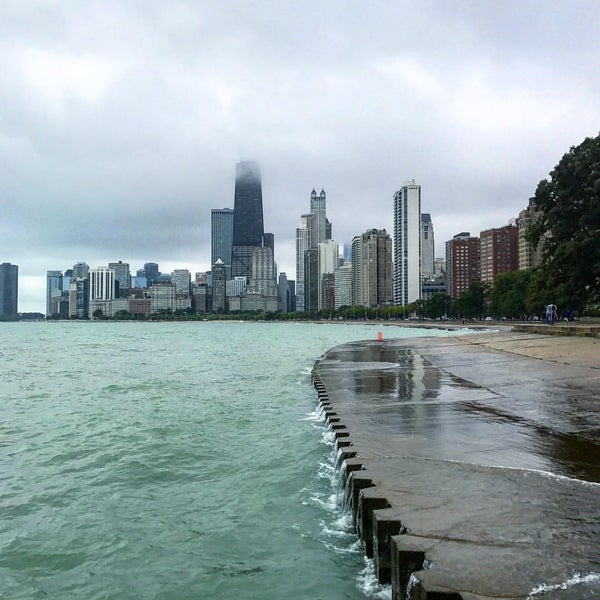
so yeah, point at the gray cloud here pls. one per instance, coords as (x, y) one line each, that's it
(121, 122)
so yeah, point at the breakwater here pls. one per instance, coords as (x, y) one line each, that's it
(471, 473)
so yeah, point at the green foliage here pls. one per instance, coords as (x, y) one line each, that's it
(123, 315)
(569, 229)
(471, 303)
(438, 306)
(508, 294)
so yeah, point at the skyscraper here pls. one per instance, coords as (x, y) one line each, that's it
(248, 227)
(221, 240)
(427, 247)
(462, 263)
(311, 280)
(9, 291)
(79, 297)
(377, 268)
(407, 244)
(283, 289)
(318, 208)
(343, 285)
(498, 251)
(372, 263)
(528, 255)
(262, 292)
(302, 245)
(151, 271)
(54, 289)
(182, 279)
(81, 270)
(219, 284)
(102, 283)
(314, 229)
(122, 277)
(102, 292)
(329, 259)
(357, 272)
(162, 296)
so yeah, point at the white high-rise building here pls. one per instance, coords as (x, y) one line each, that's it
(102, 292)
(343, 285)
(407, 244)
(357, 271)
(102, 283)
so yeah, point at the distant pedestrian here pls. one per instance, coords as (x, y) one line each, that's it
(550, 314)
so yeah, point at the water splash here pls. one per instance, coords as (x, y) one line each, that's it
(337, 532)
(575, 579)
(328, 438)
(326, 471)
(313, 416)
(412, 582)
(524, 470)
(367, 583)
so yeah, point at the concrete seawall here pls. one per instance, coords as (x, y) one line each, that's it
(471, 463)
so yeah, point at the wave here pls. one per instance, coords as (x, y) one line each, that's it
(575, 579)
(525, 470)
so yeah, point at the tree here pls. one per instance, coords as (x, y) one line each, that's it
(509, 293)
(569, 228)
(437, 306)
(471, 302)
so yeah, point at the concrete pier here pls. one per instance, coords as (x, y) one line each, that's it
(472, 463)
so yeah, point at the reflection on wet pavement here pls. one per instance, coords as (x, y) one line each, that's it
(491, 461)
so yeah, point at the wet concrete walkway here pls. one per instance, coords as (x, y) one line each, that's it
(472, 462)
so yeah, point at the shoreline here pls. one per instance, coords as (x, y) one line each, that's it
(425, 550)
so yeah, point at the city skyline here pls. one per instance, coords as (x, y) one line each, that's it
(117, 147)
(497, 249)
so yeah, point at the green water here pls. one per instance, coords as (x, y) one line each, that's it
(171, 461)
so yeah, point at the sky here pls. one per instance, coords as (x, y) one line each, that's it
(121, 122)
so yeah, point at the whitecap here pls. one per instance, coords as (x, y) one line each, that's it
(524, 470)
(354, 548)
(367, 583)
(311, 416)
(328, 437)
(575, 579)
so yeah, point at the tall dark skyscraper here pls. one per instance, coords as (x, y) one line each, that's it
(248, 228)
(9, 282)
(221, 227)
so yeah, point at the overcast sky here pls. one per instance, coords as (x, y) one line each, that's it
(121, 121)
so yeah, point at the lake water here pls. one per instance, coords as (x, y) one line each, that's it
(171, 461)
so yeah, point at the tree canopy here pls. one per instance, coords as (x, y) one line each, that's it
(509, 293)
(569, 228)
